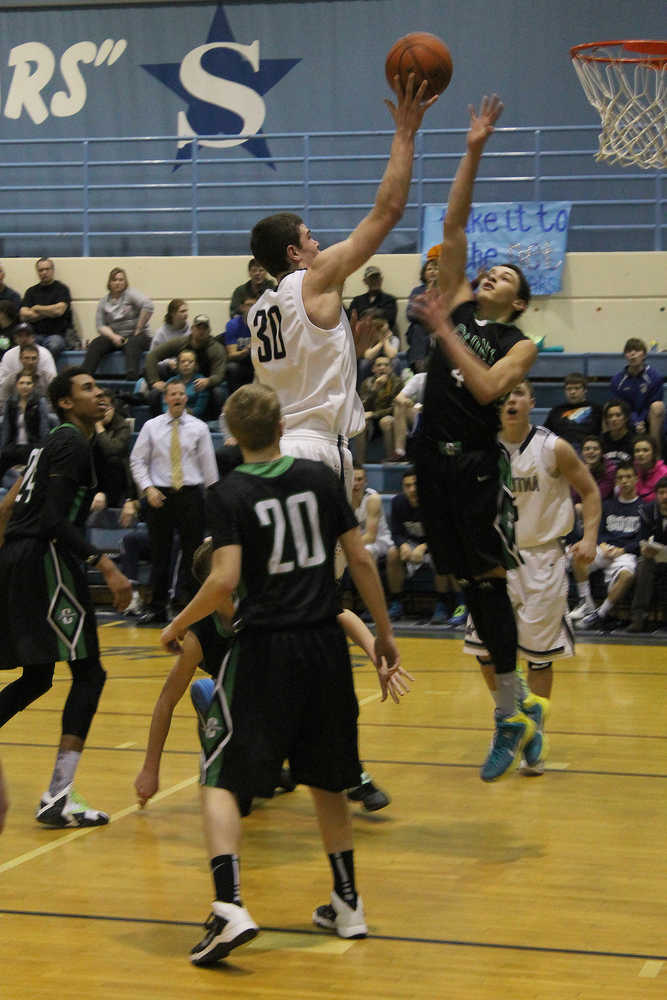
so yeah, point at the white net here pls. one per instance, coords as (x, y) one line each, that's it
(629, 94)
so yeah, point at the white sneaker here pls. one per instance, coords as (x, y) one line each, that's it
(136, 605)
(582, 609)
(227, 927)
(339, 916)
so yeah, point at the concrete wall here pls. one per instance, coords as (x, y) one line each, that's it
(606, 298)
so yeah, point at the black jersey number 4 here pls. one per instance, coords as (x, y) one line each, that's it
(268, 326)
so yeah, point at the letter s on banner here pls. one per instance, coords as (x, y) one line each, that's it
(243, 101)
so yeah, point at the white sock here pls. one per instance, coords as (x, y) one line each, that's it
(584, 589)
(67, 762)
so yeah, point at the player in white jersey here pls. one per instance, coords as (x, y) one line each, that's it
(544, 467)
(301, 341)
(367, 505)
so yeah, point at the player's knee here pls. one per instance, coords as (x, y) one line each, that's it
(657, 408)
(539, 666)
(89, 677)
(485, 661)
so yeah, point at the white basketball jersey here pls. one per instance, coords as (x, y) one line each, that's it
(384, 534)
(541, 493)
(313, 371)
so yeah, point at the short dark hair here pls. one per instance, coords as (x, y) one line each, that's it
(28, 347)
(175, 380)
(61, 385)
(635, 344)
(661, 484)
(624, 466)
(24, 375)
(270, 239)
(622, 405)
(524, 289)
(592, 437)
(575, 378)
(9, 309)
(253, 416)
(408, 472)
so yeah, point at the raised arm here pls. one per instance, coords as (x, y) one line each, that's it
(332, 266)
(454, 253)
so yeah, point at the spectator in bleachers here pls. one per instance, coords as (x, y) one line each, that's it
(211, 360)
(600, 467)
(8, 294)
(618, 437)
(617, 551)
(653, 558)
(407, 406)
(367, 506)
(377, 394)
(409, 552)
(9, 324)
(649, 468)
(47, 307)
(383, 344)
(576, 418)
(257, 284)
(25, 422)
(420, 341)
(121, 321)
(112, 442)
(641, 387)
(187, 372)
(382, 302)
(29, 357)
(236, 339)
(175, 323)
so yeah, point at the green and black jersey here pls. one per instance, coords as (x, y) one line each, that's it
(58, 487)
(451, 412)
(287, 516)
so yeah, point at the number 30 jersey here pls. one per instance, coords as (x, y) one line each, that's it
(286, 515)
(313, 371)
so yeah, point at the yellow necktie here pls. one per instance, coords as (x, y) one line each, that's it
(175, 452)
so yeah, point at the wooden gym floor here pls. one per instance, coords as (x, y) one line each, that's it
(547, 888)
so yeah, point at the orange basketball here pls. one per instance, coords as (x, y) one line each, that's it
(426, 56)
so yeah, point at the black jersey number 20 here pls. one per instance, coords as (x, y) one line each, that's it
(272, 347)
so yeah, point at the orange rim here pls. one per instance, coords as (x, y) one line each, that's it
(650, 52)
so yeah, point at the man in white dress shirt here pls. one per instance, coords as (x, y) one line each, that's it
(172, 462)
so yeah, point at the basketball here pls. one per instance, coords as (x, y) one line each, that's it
(426, 56)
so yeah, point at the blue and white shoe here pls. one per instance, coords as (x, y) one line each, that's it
(536, 750)
(459, 617)
(201, 694)
(395, 610)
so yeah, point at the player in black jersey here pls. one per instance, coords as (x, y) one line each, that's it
(462, 472)
(286, 688)
(46, 613)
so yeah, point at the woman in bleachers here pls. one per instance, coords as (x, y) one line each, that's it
(175, 323)
(121, 320)
(25, 423)
(648, 466)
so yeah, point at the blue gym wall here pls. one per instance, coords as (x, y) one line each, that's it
(322, 67)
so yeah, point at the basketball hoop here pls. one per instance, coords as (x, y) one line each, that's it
(626, 82)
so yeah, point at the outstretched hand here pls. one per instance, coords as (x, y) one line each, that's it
(411, 104)
(482, 124)
(432, 308)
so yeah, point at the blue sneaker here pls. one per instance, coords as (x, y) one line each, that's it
(511, 735)
(439, 616)
(459, 617)
(395, 610)
(201, 693)
(536, 750)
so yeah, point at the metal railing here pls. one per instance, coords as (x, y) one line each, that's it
(133, 195)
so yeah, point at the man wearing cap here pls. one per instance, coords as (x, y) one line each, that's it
(211, 362)
(382, 302)
(12, 364)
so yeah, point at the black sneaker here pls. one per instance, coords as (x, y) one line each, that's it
(226, 928)
(372, 797)
(68, 809)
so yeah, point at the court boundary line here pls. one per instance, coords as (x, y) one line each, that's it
(403, 939)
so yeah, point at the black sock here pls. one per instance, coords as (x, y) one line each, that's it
(491, 611)
(342, 866)
(226, 877)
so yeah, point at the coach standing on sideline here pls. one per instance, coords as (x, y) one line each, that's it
(172, 461)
